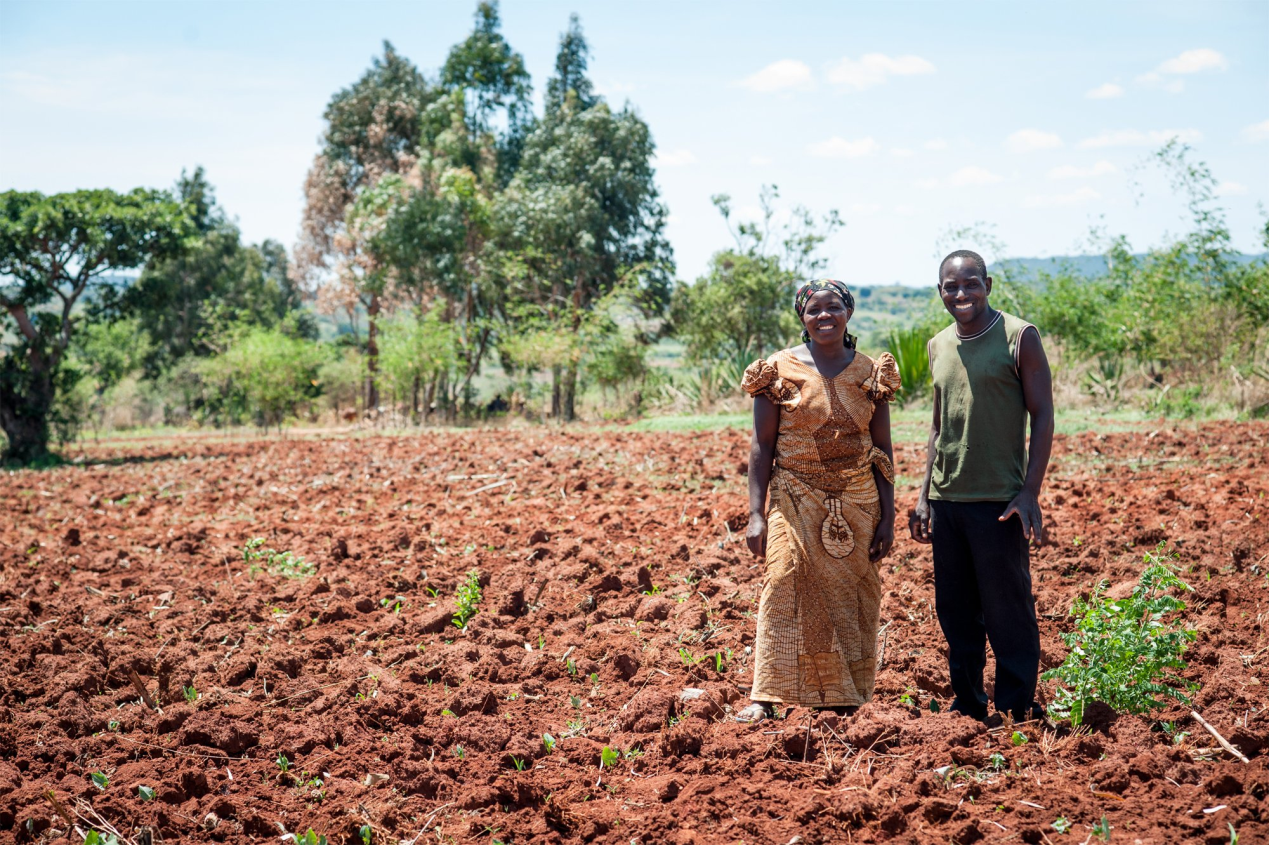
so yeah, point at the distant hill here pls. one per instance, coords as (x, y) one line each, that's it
(1082, 265)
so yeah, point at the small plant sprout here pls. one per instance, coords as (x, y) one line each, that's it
(1102, 830)
(393, 603)
(95, 838)
(907, 699)
(1018, 738)
(100, 780)
(548, 742)
(575, 701)
(467, 599)
(518, 762)
(190, 693)
(594, 678)
(311, 838)
(286, 564)
(460, 752)
(366, 834)
(572, 667)
(997, 761)
(283, 763)
(145, 793)
(1061, 824)
(1233, 834)
(447, 712)
(112, 726)
(608, 757)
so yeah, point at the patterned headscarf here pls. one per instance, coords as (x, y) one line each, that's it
(816, 285)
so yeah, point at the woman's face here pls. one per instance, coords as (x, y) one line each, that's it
(825, 318)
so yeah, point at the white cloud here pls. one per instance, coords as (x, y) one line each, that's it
(972, 176)
(1256, 132)
(615, 89)
(675, 158)
(904, 210)
(1140, 138)
(935, 144)
(1194, 61)
(873, 69)
(838, 147)
(1071, 171)
(1025, 140)
(1105, 91)
(865, 208)
(784, 75)
(1230, 189)
(1077, 197)
(900, 152)
(759, 161)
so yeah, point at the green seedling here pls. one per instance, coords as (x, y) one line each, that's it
(190, 693)
(1018, 738)
(548, 742)
(997, 761)
(467, 599)
(283, 763)
(311, 838)
(608, 757)
(575, 701)
(1233, 834)
(1126, 652)
(632, 753)
(934, 705)
(518, 763)
(572, 667)
(95, 838)
(394, 603)
(594, 678)
(447, 712)
(286, 564)
(1102, 830)
(112, 726)
(577, 727)
(1061, 824)
(460, 752)
(100, 780)
(145, 793)
(907, 698)
(366, 834)
(720, 662)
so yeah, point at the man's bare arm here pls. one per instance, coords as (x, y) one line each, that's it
(1037, 393)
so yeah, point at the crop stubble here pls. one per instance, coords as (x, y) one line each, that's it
(614, 577)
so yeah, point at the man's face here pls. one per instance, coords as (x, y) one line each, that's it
(963, 289)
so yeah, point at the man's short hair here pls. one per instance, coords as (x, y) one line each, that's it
(965, 253)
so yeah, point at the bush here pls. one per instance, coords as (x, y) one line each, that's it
(1123, 652)
(265, 374)
(908, 346)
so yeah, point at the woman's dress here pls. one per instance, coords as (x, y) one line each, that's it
(820, 603)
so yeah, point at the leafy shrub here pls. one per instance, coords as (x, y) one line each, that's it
(1123, 652)
(908, 346)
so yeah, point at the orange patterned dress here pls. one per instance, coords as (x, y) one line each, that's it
(820, 604)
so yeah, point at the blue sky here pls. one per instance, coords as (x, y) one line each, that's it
(909, 118)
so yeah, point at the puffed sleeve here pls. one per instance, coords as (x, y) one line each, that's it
(883, 381)
(762, 378)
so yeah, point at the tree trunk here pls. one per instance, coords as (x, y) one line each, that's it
(372, 356)
(26, 397)
(556, 405)
(570, 392)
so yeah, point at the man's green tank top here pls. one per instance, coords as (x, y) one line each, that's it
(981, 451)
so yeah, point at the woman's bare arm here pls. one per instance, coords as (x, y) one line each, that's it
(766, 425)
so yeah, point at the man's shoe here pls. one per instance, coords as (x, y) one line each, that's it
(974, 713)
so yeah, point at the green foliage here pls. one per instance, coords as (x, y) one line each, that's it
(366, 834)
(145, 793)
(283, 763)
(310, 838)
(100, 780)
(1126, 652)
(190, 693)
(1018, 738)
(908, 346)
(1061, 824)
(608, 757)
(264, 375)
(467, 599)
(548, 742)
(53, 250)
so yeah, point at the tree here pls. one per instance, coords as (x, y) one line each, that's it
(373, 129)
(186, 301)
(583, 210)
(52, 250)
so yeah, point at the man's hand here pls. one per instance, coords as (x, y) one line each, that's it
(921, 522)
(882, 540)
(1026, 506)
(756, 534)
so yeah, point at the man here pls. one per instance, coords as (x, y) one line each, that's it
(979, 503)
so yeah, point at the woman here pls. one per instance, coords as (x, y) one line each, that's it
(822, 445)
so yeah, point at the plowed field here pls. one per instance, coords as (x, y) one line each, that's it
(618, 604)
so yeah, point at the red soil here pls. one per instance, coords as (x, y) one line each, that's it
(132, 561)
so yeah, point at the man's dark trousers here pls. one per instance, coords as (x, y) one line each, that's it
(982, 591)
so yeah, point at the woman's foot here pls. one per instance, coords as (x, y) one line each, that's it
(755, 712)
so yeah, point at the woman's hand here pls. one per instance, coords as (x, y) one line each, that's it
(882, 539)
(756, 534)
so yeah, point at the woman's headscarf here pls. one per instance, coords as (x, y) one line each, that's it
(815, 286)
